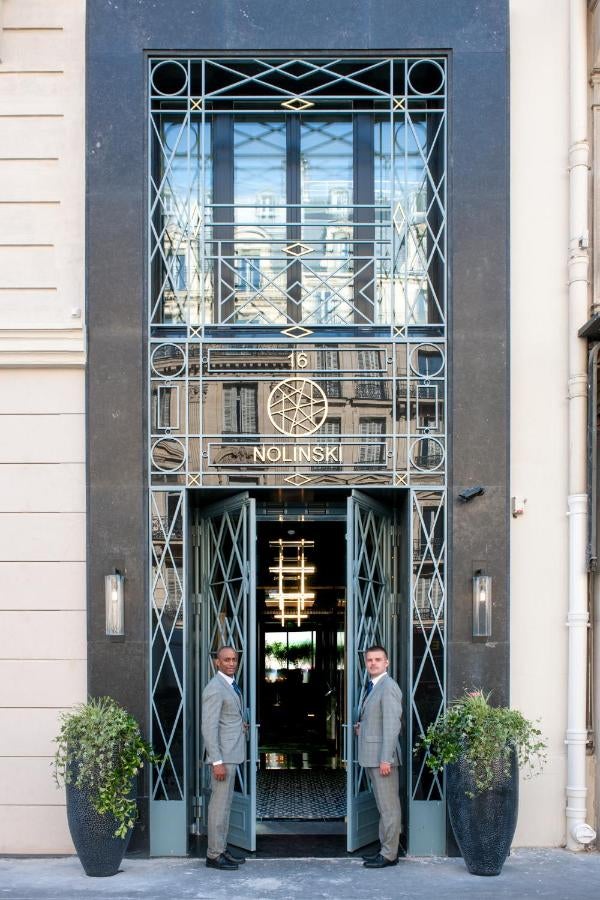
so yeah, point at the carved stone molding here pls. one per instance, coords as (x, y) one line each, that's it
(30, 347)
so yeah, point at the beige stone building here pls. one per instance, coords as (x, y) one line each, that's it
(554, 281)
(42, 408)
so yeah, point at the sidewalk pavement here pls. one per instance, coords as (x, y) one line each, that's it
(527, 874)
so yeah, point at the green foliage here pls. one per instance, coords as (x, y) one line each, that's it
(483, 735)
(100, 749)
(294, 654)
(278, 651)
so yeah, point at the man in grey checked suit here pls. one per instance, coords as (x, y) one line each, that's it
(224, 735)
(378, 730)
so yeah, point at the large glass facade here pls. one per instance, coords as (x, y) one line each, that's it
(316, 198)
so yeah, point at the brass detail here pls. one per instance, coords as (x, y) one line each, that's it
(297, 331)
(400, 331)
(298, 249)
(400, 478)
(298, 453)
(297, 104)
(196, 104)
(399, 103)
(297, 406)
(193, 480)
(298, 479)
(195, 332)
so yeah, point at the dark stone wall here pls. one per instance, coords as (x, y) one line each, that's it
(119, 37)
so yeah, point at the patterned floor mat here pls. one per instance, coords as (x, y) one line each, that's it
(301, 794)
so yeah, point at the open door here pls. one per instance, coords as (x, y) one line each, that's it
(227, 615)
(367, 623)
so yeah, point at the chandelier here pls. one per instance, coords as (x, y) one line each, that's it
(291, 598)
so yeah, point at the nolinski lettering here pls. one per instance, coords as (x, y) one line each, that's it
(298, 453)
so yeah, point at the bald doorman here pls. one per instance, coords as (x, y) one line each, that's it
(224, 735)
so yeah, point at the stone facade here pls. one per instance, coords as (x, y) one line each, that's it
(42, 448)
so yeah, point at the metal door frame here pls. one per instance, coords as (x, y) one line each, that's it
(242, 830)
(362, 816)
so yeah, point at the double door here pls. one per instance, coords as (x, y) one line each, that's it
(225, 574)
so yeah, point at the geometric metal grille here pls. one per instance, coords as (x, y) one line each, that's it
(351, 279)
(168, 625)
(428, 616)
(371, 592)
(225, 585)
(210, 410)
(227, 534)
(223, 253)
(369, 589)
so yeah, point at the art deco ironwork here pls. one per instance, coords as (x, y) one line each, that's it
(330, 272)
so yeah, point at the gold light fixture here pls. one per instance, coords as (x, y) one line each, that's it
(291, 596)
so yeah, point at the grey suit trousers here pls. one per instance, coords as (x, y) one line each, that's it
(387, 797)
(219, 808)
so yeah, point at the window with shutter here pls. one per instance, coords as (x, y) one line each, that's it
(229, 409)
(371, 452)
(248, 409)
(331, 431)
(329, 361)
(240, 413)
(370, 387)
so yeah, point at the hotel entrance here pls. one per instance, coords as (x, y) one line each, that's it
(300, 588)
(297, 426)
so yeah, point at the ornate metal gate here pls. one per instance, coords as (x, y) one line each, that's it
(224, 574)
(369, 591)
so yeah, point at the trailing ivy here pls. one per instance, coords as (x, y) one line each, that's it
(100, 749)
(484, 736)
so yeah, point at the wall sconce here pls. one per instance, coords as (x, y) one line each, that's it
(114, 599)
(482, 605)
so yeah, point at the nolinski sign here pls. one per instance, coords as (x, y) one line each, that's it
(297, 407)
(309, 453)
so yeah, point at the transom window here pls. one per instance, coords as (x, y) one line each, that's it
(297, 192)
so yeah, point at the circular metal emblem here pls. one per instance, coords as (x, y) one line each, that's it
(297, 406)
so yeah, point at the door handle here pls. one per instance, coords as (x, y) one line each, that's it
(346, 728)
(256, 756)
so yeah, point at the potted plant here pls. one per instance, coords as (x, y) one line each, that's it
(482, 747)
(99, 752)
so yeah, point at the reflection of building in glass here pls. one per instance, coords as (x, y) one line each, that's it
(269, 250)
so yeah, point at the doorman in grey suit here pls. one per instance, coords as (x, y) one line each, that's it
(224, 735)
(378, 730)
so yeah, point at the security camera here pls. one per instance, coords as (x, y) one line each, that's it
(471, 492)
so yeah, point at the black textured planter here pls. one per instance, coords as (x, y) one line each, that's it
(484, 825)
(99, 852)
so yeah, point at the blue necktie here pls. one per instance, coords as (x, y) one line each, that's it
(364, 700)
(236, 687)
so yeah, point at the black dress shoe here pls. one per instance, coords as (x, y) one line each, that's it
(368, 857)
(233, 857)
(380, 862)
(221, 862)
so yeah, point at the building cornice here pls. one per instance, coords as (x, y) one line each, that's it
(50, 347)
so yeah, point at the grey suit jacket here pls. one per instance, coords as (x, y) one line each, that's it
(222, 723)
(380, 723)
